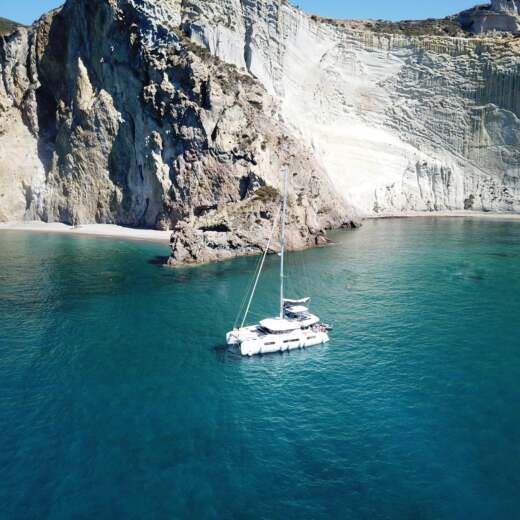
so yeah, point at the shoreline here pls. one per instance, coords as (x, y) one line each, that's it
(163, 237)
(92, 230)
(448, 214)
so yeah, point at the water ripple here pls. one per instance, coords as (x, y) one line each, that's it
(118, 398)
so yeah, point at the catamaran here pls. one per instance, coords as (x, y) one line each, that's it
(295, 327)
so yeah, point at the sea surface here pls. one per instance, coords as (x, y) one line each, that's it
(118, 398)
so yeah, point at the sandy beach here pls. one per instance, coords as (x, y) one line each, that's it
(98, 230)
(112, 231)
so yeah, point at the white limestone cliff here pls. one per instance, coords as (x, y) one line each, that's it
(400, 123)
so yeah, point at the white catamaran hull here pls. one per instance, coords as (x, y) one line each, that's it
(272, 343)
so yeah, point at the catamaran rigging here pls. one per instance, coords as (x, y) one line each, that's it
(282, 244)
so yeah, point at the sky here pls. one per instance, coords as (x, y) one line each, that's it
(26, 11)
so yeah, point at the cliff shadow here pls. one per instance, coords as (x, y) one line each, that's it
(53, 85)
(160, 261)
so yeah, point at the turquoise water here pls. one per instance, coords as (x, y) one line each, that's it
(118, 400)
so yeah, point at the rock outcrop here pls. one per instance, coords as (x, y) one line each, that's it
(500, 16)
(109, 114)
(180, 114)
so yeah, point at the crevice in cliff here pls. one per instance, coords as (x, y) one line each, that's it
(248, 41)
(47, 126)
(217, 228)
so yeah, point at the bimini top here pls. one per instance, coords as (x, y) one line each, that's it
(278, 325)
(292, 303)
(297, 309)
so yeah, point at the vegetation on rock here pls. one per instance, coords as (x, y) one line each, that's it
(7, 26)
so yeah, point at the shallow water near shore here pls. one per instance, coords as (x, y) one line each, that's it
(118, 398)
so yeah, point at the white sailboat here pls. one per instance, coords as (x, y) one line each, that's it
(294, 328)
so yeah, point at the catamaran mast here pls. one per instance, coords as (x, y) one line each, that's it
(282, 243)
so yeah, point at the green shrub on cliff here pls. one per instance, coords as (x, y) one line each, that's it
(7, 26)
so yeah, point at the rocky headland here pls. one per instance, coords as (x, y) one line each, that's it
(179, 115)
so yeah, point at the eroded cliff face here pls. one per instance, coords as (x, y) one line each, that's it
(180, 115)
(500, 16)
(109, 114)
(401, 123)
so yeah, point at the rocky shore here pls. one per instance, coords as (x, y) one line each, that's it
(179, 116)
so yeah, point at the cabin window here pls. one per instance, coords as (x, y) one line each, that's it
(312, 337)
(291, 340)
(270, 343)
